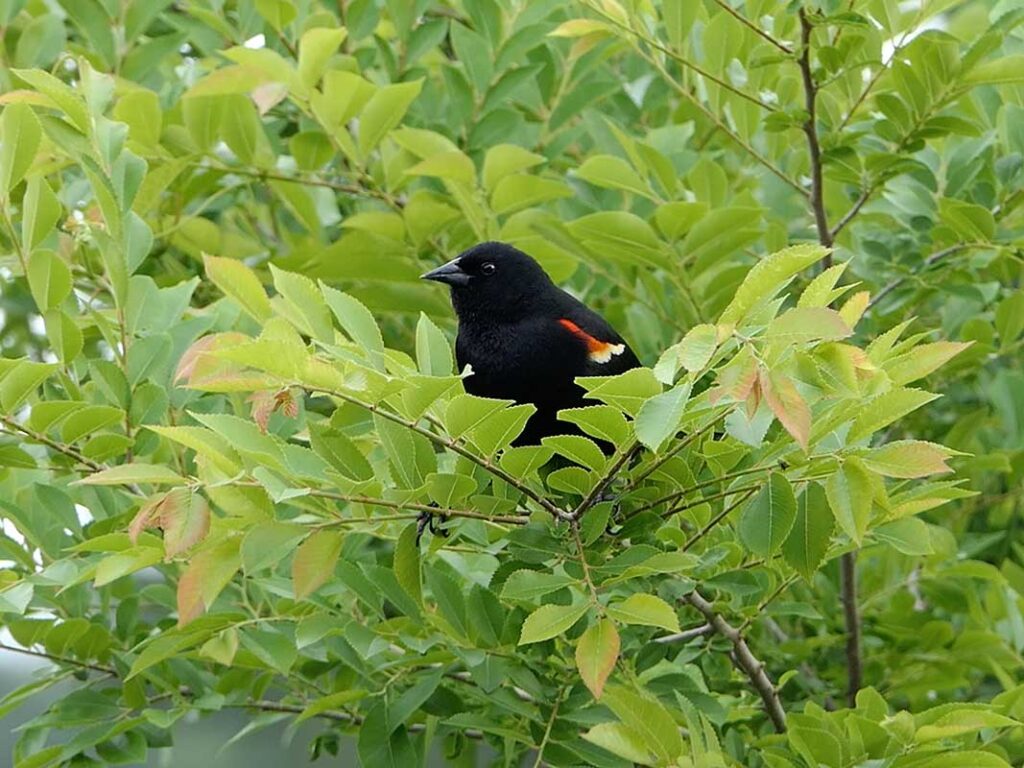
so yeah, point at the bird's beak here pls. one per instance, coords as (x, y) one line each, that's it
(450, 273)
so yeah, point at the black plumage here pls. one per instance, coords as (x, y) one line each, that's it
(525, 338)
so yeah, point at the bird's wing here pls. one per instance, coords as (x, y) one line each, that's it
(607, 351)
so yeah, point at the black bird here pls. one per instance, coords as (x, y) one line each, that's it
(525, 338)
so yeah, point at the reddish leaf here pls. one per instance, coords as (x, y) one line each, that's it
(185, 519)
(190, 592)
(314, 562)
(788, 405)
(596, 654)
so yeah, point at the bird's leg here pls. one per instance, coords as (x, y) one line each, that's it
(427, 521)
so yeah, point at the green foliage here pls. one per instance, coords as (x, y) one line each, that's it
(226, 399)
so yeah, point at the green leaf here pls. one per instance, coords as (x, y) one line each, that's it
(581, 450)
(908, 459)
(357, 321)
(692, 353)
(646, 610)
(316, 48)
(601, 421)
(384, 111)
(620, 740)
(303, 304)
(613, 173)
(850, 493)
(883, 410)
(529, 585)
(433, 352)
(1005, 70)
(811, 534)
(447, 490)
(922, 360)
(239, 283)
(628, 391)
(908, 535)
(128, 474)
(314, 561)
(265, 545)
(596, 653)
(1010, 319)
(40, 212)
(550, 621)
(465, 412)
(768, 517)
(49, 279)
(649, 720)
(504, 160)
(659, 417)
(803, 324)
(407, 563)
(768, 277)
(19, 379)
(20, 131)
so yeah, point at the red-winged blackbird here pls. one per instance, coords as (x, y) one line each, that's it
(525, 338)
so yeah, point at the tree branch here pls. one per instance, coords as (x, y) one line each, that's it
(813, 146)
(452, 445)
(745, 660)
(56, 659)
(848, 590)
(686, 634)
(826, 237)
(753, 27)
(928, 262)
(520, 519)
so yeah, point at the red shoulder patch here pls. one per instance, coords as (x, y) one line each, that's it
(597, 350)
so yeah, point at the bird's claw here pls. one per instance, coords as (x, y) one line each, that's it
(427, 521)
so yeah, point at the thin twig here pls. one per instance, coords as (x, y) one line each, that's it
(58, 659)
(683, 61)
(928, 262)
(595, 493)
(63, 448)
(575, 527)
(452, 445)
(547, 730)
(744, 660)
(716, 520)
(752, 26)
(520, 519)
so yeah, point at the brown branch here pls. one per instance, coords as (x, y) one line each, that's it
(813, 146)
(744, 660)
(595, 493)
(848, 590)
(686, 634)
(452, 445)
(928, 262)
(753, 27)
(56, 659)
(716, 520)
(847, 217)
(63, 448)
(519, 519)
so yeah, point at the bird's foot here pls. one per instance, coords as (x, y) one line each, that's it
(428, 521)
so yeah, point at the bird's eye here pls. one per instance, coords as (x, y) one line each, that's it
(487, 268)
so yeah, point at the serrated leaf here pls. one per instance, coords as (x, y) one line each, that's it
(908, 459)
(128, 474)
(659, 417)
(596, 653)
(768, 517)
(849, 494)
(809, 538)
(529, 585)
(646, 610)
(550, 621)
(314, 561)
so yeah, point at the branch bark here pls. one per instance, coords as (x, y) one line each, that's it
(826, 237)
(813, 145)
(848, 589)
(744, 660)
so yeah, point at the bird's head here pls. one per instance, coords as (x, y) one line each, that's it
(494, 278)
